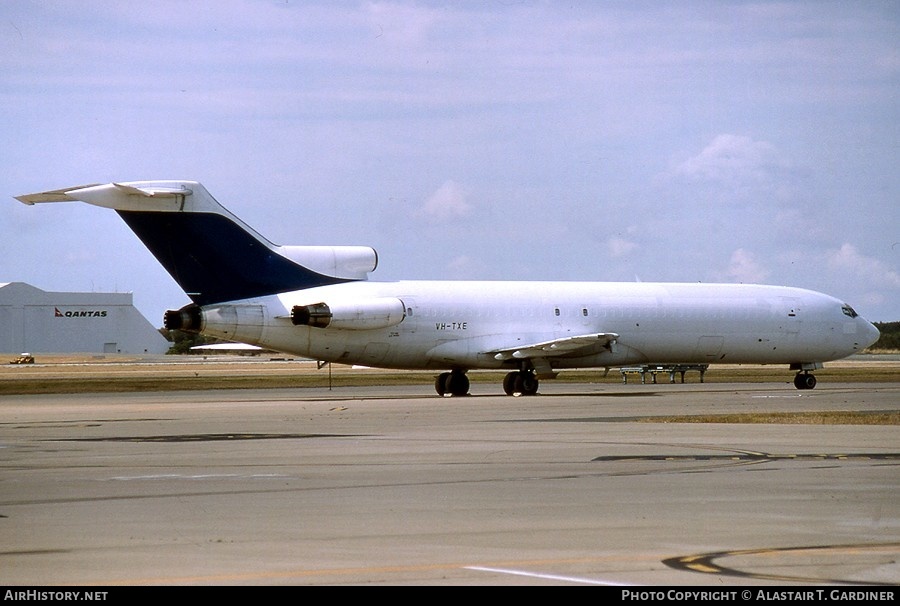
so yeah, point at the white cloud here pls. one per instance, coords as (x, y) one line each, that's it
(448, 202)
(745, 268)
(619, 247)
(465, 267)
(868, 270)
(732, 158)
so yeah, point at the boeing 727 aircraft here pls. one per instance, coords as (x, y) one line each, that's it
(317, 302)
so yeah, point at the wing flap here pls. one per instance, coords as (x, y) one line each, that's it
(555, 347)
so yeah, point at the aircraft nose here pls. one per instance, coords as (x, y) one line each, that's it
(870, 334)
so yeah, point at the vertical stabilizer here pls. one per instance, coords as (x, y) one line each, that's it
(211, 254)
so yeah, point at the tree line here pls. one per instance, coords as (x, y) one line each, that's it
(890, 336)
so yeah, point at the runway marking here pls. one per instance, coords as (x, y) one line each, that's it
(705, 563)
(550, 577)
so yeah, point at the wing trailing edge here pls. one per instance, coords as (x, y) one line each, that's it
(555, 347)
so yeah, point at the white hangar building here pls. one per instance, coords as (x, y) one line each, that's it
(38, 321)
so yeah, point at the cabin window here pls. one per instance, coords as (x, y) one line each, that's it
(584, 311)
(556, 311)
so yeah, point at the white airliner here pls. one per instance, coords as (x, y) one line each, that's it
(317, 302)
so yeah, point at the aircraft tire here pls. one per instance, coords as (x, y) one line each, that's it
(804, 381)
(458, 384)
(509, 383)
(440, 383)
(452, 384)
(526, 384)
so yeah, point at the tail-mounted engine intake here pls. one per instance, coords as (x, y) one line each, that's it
(317, 315)
(354, 315)
(188, 319)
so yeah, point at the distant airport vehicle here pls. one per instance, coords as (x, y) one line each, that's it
(317, 302)
(23, 358)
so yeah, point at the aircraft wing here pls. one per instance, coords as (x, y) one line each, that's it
(555, 347)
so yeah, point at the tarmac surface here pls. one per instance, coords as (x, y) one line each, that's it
(393, 485)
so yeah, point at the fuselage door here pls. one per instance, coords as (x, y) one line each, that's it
(790, 310)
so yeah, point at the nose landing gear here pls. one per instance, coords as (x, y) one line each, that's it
(804, 380)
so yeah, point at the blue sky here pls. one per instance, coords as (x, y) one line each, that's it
(682, 141)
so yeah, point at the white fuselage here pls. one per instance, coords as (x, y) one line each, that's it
(458, 324)
(317, 302)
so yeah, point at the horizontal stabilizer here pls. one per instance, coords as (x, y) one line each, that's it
(555, 347)
(54, 195)
(136, 196)
(153, 192)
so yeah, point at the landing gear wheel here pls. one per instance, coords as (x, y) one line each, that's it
(458, 384)
(522, 383)
(440, 383)
(454, 383)
(509, 383)
(804, 381)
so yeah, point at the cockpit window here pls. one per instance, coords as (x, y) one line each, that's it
(849, 311)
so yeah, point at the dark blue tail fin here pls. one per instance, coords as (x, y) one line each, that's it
(212, 255)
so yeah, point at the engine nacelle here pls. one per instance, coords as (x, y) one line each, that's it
(189, 318)
(367, 314)
(243, 323)
(346, 262)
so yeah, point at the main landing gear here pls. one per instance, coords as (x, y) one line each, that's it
(520, 383)
(453, 383)
(804, 380)
(456, 383)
